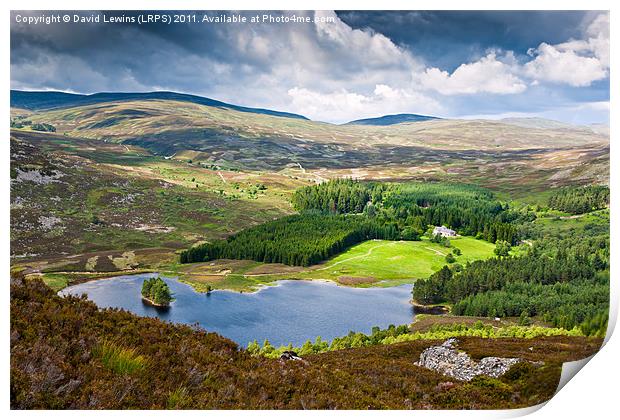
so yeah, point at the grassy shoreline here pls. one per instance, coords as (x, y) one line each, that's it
(374, 263)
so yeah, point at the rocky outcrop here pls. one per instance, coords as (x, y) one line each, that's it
(446, 359)
(289, 355)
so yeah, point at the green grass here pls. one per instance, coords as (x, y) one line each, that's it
(58, 281)
(596, 222)
(179, 398)
(203, 280)
(55, 281)
(386, 260)
(384, 263)
(372, 263)
(399, 260)
(473, 249)
(235, 282)
(119, 359)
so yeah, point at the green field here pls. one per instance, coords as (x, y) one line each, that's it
(377, 260)
(371, 263)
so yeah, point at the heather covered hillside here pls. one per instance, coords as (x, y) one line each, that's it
(66, 353)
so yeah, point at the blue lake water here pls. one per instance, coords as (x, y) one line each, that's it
(290, 312)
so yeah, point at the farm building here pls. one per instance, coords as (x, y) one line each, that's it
(443, 231)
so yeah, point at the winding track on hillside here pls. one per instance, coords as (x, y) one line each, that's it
(435, 251)
(367, 254)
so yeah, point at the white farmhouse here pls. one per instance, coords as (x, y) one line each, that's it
(443, 231)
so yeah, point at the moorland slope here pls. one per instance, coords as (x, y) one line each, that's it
(68, 354)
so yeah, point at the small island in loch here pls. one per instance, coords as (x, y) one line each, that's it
(156, 292)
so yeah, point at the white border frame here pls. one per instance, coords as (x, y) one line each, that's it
(593, 393)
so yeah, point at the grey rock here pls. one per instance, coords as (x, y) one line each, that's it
(449, 361)
(289, 355)
(496, 366)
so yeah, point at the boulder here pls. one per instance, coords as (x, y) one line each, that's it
(449, 361)
(289, 355)
(496, 366)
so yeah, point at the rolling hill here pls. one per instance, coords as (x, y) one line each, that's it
(393, 119)
(497, 154)
(193, 126)
(41, 100)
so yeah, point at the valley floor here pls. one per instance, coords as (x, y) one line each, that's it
(375, 263)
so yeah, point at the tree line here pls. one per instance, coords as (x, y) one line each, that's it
(402, 333)
(565, 305)
(21, 123)
(337, 196)
(340, 213)
(299, 240)
(564, 282)
(579, 200)
(468, 209)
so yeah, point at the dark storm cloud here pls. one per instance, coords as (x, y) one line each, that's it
(151, 54)
(363, 64)
(446, 39)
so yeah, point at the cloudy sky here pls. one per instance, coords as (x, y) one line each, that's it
(355, 65)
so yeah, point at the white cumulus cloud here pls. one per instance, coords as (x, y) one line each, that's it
(487, 75)
(575, 62)
(343, 105)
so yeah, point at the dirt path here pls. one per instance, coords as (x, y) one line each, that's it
(367, 254)
(317, 178)
(222, 176)
(301, 167)
(575, 216)
(435, 251)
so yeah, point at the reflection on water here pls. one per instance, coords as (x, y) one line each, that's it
(292, 311)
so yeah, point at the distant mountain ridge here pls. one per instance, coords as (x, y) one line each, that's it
(44, 100)
(392, 119)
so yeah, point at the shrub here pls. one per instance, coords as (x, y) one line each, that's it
(179, 398)
(402, 334)
(502, 249)
(43, 127)
(518, 371)
(120, 360)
